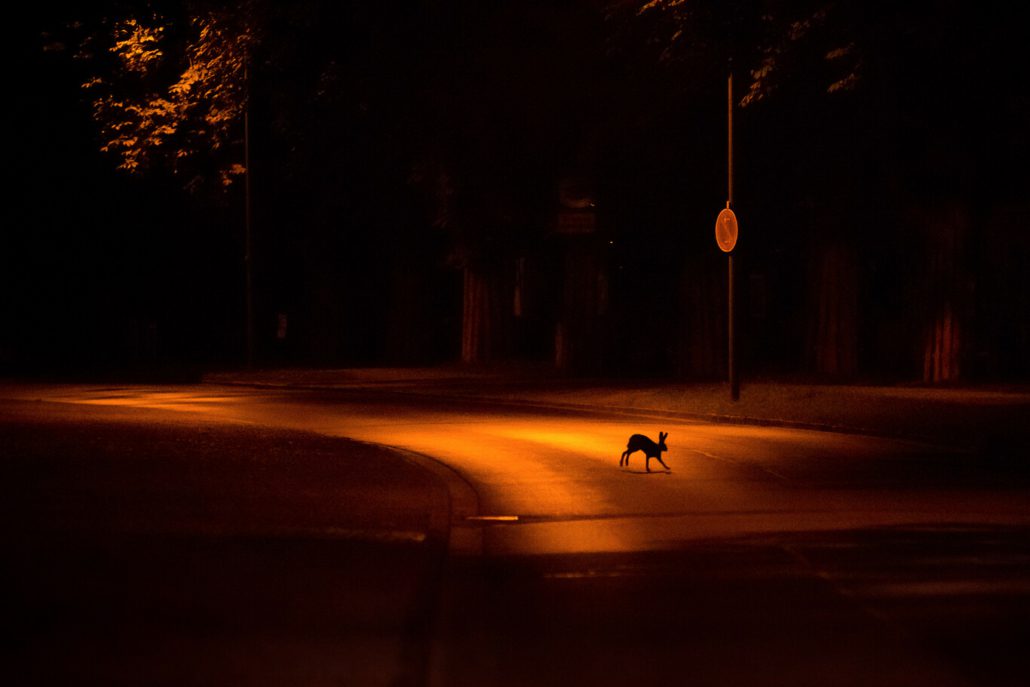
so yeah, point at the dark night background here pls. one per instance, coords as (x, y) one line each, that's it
(414, 164)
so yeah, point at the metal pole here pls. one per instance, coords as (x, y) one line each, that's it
(731, 296)
(734, 382)
(248, 262)
(729, 141)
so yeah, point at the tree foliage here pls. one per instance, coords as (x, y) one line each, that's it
(774, 41)
(171, 91)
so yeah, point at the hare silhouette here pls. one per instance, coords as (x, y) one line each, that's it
(638, 442)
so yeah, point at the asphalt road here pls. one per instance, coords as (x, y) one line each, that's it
(765, 556)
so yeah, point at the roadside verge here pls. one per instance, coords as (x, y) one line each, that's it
(982, 418)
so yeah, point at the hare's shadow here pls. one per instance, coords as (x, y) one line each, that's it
(645, 472)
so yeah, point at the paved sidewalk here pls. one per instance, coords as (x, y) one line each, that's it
(993, 418)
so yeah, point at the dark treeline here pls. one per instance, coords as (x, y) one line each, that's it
(440, 181)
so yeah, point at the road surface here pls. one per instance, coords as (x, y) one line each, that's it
(765, 556)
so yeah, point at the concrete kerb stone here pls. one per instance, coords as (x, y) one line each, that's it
(463, 501)
(620, 411)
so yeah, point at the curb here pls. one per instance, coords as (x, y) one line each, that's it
(462, 499)
(627, 411)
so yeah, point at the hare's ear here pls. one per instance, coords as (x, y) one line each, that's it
(662, 436)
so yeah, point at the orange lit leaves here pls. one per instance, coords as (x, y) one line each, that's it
(144, 120)
(137, 45)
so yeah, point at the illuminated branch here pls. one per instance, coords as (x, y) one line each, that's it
(146, 121)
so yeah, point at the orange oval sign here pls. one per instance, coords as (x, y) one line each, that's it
(726, 230)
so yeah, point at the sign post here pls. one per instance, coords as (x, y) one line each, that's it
(726, 236)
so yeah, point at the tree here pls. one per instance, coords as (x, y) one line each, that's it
(499, 128)
(772, 42)
(170, 91)
(858, 117)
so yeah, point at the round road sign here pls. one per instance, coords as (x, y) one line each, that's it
(726, 230)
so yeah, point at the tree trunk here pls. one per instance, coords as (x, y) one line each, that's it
(833, 328)
(941, 350)
(942, 295)
(702, 328)
(577, 348)
(483, 318)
